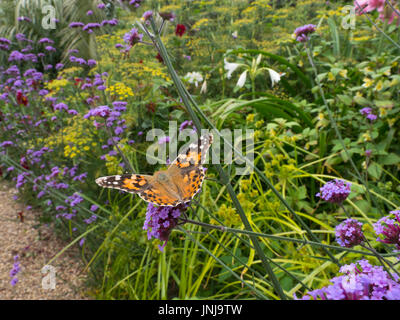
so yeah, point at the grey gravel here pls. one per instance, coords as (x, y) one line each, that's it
(35, 247)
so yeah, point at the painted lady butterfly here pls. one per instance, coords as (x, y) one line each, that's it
(178, 184)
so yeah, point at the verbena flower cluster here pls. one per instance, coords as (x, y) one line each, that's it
(15, 270)
(349, 233)
(388, 229)
(360, 281)
(161, 220)
(335, 191)
(302, 33)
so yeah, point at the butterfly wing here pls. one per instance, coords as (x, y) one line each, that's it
(194, 155)
(133, 183)
(143, 185)
(186, 170)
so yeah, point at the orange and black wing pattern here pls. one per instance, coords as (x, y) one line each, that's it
(133, 183)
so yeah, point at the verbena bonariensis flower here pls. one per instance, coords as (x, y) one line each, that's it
(349, 233)
(167, 16)
(361, 281)
(161, 220)
(303, 32)
(132, 37)
(335, 191)
(388, 229)
(15, 270)
(147, 15)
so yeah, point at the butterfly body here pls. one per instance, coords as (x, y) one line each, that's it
(178, 184)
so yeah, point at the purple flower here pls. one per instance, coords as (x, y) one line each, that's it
(335, 191)
(59, 66)
(360, 281)
(91, 62)
(82, 241)
(101, 111)
(89, 13)
(368, 153)
(93, 207)
(147, 15)
(349, 233)
(365, 111)
(5, 41)
(167, 16)
(163, 140)
(50, 48)
(20, 37)
(133, 37)
(46, 40)
(76, 24)
(119, 105)
(161, 220)
(388, 229)
(6, 144)
(185, 124)
(91, 25)
(303, 32)
(61, 106)
(372, 117)
(101, 6)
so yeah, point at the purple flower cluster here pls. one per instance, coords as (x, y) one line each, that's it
(160, 221)
(360, 281)
(349, 233)
(335, 191)
(15, 270)
(388, 229)
(367, 112)
(131, 38)
(303, 32)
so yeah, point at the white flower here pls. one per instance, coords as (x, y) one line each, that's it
(204, 87)
(230, 67)
(275, 76)
(194, 77)
(242, 79)
(235, 35)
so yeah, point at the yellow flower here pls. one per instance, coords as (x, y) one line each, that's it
(343, 73)
(331, 77)
(367, 82)
(379, 86)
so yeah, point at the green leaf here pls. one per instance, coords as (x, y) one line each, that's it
(375, 170)
(345, 99)
(390, 159)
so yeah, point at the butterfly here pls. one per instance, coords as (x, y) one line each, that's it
(176, 185)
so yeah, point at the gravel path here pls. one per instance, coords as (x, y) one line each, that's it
(35, 247)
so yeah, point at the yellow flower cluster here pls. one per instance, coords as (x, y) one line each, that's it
(201, 23)
(76, 138)
(121, 90)
(56, 85)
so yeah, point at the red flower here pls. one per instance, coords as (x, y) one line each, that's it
(159, 58)
(180, 30)
(21, 99)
